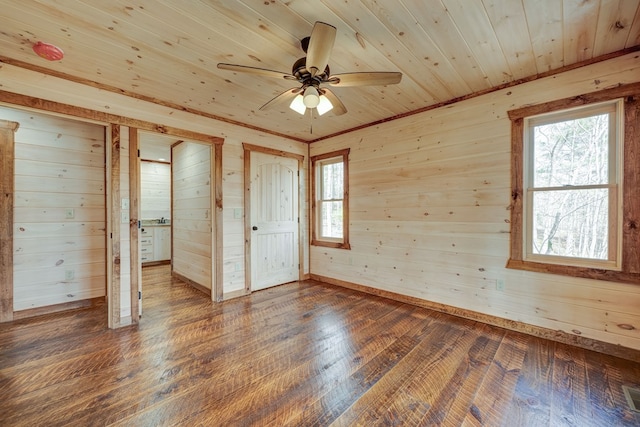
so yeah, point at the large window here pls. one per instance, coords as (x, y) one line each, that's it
(574, 170)
(330, 200)
(571, 187)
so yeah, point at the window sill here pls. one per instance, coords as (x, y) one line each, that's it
(336, 245)
(583, 272)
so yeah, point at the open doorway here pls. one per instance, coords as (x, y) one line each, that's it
(155, 204)
(180, 198)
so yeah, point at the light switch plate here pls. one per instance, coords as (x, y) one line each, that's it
(125, 203)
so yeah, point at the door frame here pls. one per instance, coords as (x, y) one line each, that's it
(7, 189)
(248, 149)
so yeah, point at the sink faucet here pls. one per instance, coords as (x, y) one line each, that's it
(162, 220)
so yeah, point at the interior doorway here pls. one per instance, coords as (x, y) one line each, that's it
(179, 210)
(154, 171)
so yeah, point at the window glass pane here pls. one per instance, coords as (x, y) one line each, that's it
(571, 223)
(331, 223)
(332, 181)
(572, 152)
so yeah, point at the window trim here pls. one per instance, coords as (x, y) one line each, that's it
(630, 166)
(315, 217)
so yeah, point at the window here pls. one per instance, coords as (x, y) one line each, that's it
(571, 187)
(330, 200)
(574, 170)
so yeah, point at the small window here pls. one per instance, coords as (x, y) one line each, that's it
(572, 187)
(330, 200)
(574, 177)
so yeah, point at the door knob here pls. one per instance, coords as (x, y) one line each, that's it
(254, 228)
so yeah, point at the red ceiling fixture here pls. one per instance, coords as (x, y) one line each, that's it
(48, 51)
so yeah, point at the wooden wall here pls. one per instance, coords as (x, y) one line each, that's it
(59, 210)
(155, 189)
(429, 197)
(192, 224)
(124, 236)
(30, 83)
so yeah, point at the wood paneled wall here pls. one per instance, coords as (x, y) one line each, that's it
(155, 182)
(191, 212)
(429, 218)
(125, 235)
(59, 210)
(25, 82)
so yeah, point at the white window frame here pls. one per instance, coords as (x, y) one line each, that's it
(615, 172)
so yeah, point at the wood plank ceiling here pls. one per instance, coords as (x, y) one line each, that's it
(167, 50)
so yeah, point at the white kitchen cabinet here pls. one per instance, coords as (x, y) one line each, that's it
(162, 243)
(155, 243)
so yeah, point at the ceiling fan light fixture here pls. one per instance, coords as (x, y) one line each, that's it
(297, 105)
(311, 97)
(324, 105)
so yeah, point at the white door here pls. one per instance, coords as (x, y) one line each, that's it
(274, 220)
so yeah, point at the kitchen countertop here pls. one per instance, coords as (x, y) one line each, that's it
(155, 223)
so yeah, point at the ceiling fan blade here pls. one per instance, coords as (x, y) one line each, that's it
(255, 70)
(284, 98)
(323, 36)
(338, 106)
(365, 79)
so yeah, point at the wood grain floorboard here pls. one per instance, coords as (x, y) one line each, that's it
(569, 397)
(300, 354)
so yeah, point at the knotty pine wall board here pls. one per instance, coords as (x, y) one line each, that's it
(429, 218)
(192, 181)
(155, 182)
(17, 80)
(59, 211)
(125, 235)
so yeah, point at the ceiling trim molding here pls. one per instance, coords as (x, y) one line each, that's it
(109, 88)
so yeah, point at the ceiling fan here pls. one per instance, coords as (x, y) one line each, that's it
(312, 71)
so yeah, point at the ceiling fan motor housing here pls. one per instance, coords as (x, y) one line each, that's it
(299, 70)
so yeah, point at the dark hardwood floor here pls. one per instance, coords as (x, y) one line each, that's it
(301, 354)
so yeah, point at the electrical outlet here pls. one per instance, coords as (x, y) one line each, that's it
(500, 285)
(124, 217)
(69, 275)
(125, 203)
(238, 266)
(237, 213)
(69, 213)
